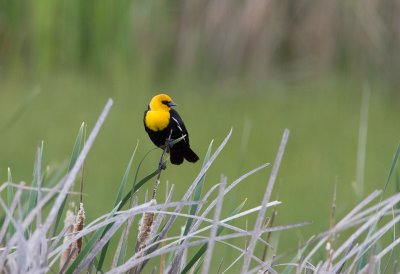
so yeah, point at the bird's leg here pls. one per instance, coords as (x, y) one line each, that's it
(168, 142)
(162, 165)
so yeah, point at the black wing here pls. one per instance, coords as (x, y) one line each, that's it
(178, 127)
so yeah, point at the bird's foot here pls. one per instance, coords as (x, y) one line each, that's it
(162, 166)
(169, 143)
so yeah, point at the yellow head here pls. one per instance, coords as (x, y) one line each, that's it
(161, 102)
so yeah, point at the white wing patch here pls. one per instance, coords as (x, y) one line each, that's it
(177, 123)
(179, 126)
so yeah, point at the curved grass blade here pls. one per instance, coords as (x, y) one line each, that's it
(364, 259)
(122, 185)
(34, 192)
(121, 255)
(298, 258)
(126, 198)
(395, 227)
(125, 177)
(392, 167)
(398, 187)
(361, 262)
(39, 180)
(138, 168)
(10, 197)
(189, 192)
(203, 248)
(75, 153)
(51, 177)
(137, 185)
(197, 192)
(77, 146)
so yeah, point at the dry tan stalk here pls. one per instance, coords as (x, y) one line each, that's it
(69, 223)
(78, 226)
(146, 224)
(162, 263)
(145, 227)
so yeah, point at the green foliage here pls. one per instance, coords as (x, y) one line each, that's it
(75, 152)
(392, 167)
(117, 203)
(198, 255)
(10, 196)
(111, 37)
(197, 192)
(37, 182)
(366, 223)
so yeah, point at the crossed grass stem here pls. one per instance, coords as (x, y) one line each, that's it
(162, 163)
(148, 217)
(146, 223)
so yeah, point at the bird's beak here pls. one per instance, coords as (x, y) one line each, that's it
(171, 104)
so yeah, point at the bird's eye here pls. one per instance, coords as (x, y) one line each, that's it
(165, 102)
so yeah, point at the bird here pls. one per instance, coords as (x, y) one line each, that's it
(163, 124)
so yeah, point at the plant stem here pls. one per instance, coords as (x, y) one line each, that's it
(161, 165)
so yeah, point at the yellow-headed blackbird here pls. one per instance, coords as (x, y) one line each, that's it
(163, 123)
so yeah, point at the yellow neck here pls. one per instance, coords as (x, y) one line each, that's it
(157, 120)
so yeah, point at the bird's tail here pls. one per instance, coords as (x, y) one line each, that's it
(177, 155)
(190, 155)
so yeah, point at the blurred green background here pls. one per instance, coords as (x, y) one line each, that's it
(257, 66)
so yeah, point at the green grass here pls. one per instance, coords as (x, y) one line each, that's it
(30, 248)
(323, 117)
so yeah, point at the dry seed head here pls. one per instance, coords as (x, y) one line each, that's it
(69, 224)
(145, 226)
(79, 223)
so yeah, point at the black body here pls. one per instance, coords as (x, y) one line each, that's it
(180, 150)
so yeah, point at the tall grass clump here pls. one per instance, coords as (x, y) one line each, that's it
(253, 38)
(34, 239)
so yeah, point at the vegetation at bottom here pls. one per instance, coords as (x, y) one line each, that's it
(364, 239)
